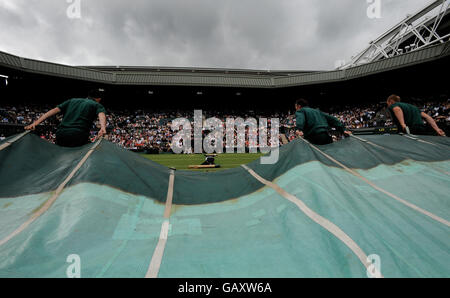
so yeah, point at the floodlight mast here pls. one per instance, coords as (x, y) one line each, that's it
(422, 26)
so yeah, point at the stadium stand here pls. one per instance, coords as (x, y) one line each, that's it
(150, 131)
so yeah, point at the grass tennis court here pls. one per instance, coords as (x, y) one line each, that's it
(183, 161)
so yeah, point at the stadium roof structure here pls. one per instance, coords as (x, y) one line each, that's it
(219, 77)
(429, 26)
(320, 211)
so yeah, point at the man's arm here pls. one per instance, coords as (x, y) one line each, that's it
(102, 119)
(433, 124)
(41, 119)
(399, 115)
(334, 122)
(299, 124)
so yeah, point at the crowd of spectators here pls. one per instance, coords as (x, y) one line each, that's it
(151, 130)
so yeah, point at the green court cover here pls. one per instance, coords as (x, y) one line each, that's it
(389, 194)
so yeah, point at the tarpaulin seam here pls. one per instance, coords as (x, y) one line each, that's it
(406, 203)
(156, 260)
(325, 223)
(52, 199)
(384, 148)
(416, 138)
(357, 222)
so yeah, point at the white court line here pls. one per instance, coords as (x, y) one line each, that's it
(325, 223)
(406, 203)
(8, 143)
(52, 199)
(155, 263)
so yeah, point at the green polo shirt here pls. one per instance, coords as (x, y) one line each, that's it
(312, 121)
(411, 114)
(79, 115)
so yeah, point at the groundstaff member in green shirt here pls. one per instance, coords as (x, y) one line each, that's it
(78, 116)
(406, 115)
(314, 125)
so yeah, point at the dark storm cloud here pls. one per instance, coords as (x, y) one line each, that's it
(258, 34)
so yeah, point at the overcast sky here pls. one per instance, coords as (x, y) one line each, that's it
(250, 34)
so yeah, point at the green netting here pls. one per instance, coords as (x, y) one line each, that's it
(227, 224)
